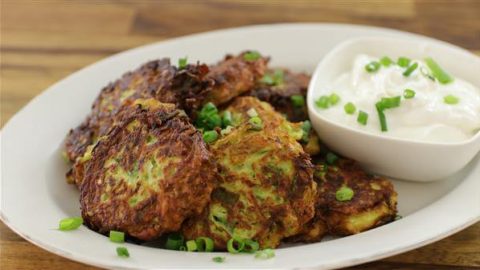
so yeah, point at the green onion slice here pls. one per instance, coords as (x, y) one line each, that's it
(323, 102)
(298, 101)
(333, 99)
(68, 224)
(350, 108)
(210, 136)
(390, 103)
(381, 116)
(174, 241)
(408, 93)
(267, 79)
(265, 254)
(235, 245)
(372, 66)
(191, 245)
(437, 72)
(182, 63)
(205, 244)
(251, 246)
(123, 252)
(226, 119)
(451, 99)
(344, 194)
(410, 69)
(331, 158)
(256, 123)
(117, 237)
(403, 62)
(252, 112)
(251, 56)
(386, 61)
(306, 127)
(218, 259)
(278, 76)
(362, 117)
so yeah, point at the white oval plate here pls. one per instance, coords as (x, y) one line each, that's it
(35, 196)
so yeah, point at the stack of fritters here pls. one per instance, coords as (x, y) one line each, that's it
(266, 190)
(144, 169)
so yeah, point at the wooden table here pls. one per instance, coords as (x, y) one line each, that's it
(42, 42)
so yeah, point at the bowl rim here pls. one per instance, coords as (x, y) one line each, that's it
(313, 113)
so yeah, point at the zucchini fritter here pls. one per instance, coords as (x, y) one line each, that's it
(156, 79)
(149, 173)
(235, 75)
(266, 189)
(188, 88)
(278, 91)
(373, 204)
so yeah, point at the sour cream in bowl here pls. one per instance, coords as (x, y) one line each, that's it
(408, 109)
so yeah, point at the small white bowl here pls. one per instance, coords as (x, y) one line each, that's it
(394, 157)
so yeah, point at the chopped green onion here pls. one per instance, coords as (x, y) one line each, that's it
(191, 245)
(174, 241)
(403, 62)
(235, 245)
(372, 66)
(182, 63)
(265, 254)
(362, 117)
(323, 102)
(123, 252)
(267, 79)
(390, 103)
(410, 69)
(226, 130)
(205, 244)
(381, 116)
(209, 108)
(68, 224)
(117, 237)
(333, 99)
(251, 246)
(386, 61)
(408, 93)
(331, 158)
(210, 136)
(306, 127)
(344, 194)
(251, 56)
(437, 72)
(298, 101)
(208, 117)
(350, 108)
(252, 112)
(278, 77)
(226, 118)
(451, 100)
(256, 123)
(218, 259)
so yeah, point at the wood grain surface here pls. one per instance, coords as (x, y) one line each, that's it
(43, 41)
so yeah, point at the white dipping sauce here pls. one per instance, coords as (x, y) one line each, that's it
(425, 117)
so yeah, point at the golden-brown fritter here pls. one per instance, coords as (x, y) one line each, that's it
(373, 203)
(278, 86)
(149, 173)
(266, 191)
(235, 75)
(187, 88)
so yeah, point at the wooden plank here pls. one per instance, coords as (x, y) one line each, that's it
(66, 16)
